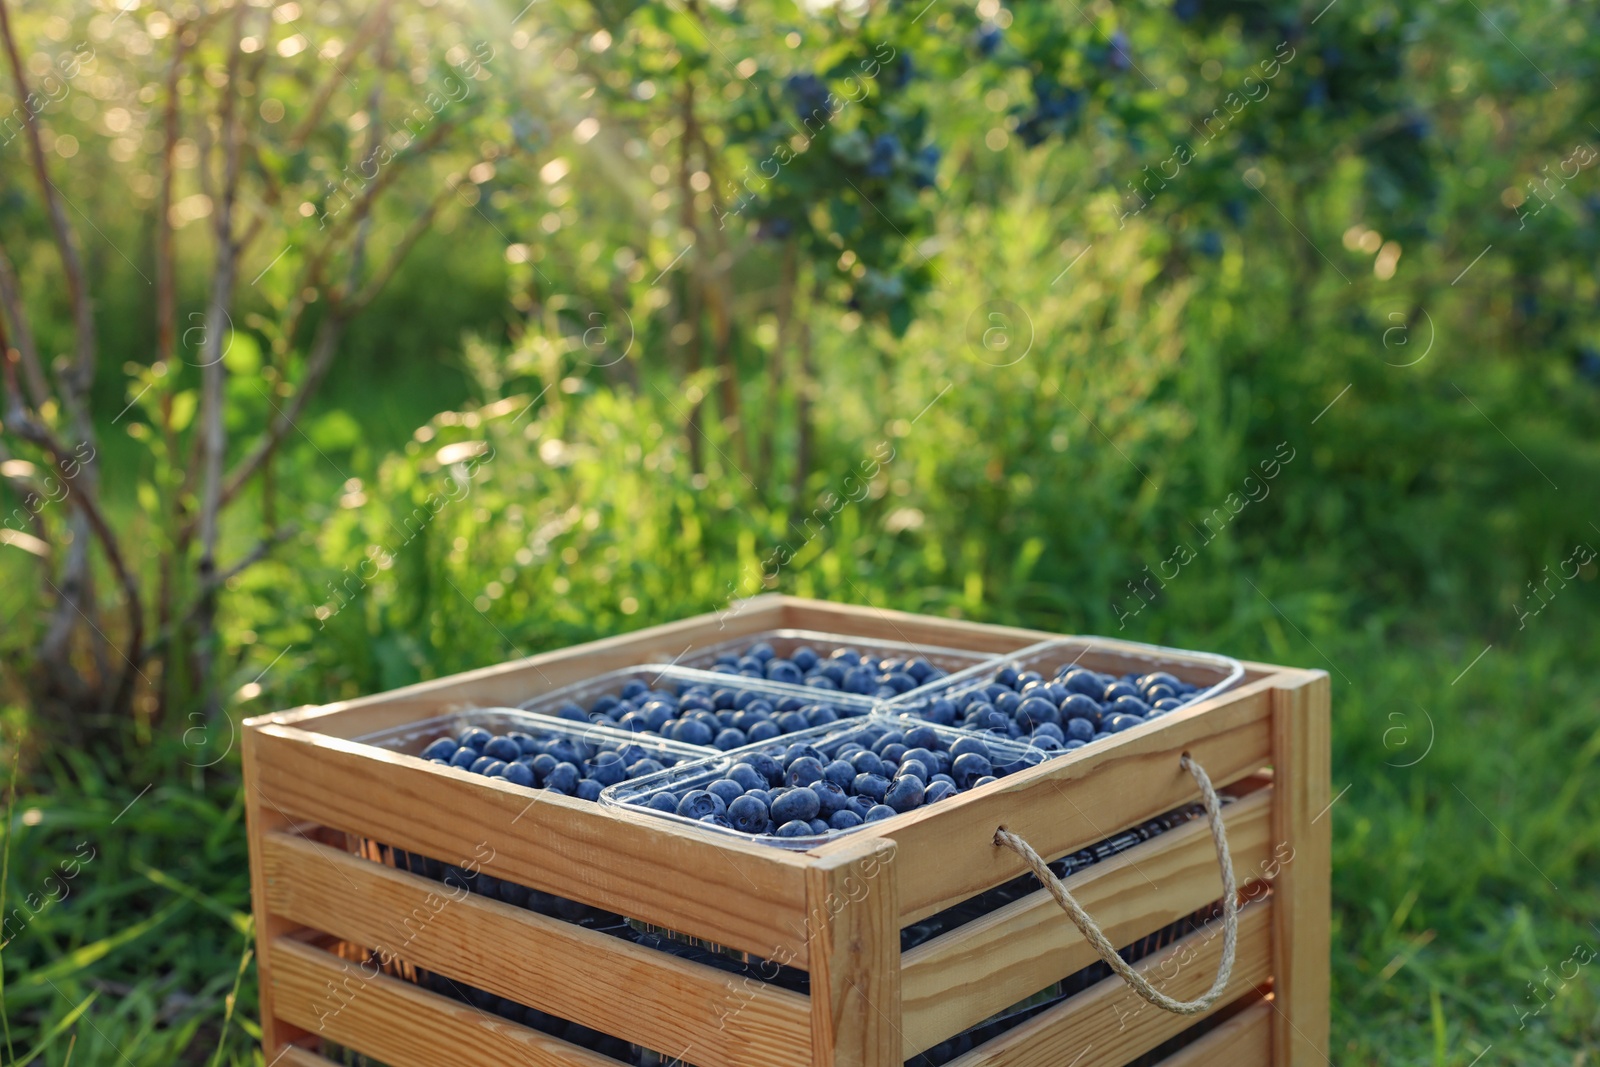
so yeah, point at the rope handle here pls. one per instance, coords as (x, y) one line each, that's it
(1097, 938)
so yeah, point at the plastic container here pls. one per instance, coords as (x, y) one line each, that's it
(575, 703)
(1209, 673)
(412, 738)
(634, 795)
(721, 658)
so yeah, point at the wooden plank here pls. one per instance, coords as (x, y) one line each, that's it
(300, 1057)
(1243, 1041)
(852, 917)
(947, 850)
(968, 975)
(260, 820)
(633, 864)
(402, 1024)
(651, 998)
(1302, 746)
(1109, 1024)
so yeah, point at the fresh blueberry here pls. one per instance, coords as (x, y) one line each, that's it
(589, 789)
(634, 689)
(940, 712)
(727, 789)
(795, 828)
(839, 773)
(799, 803)
(844, 819)
(985, 780)
(698, 803)
(1050, 729)
(941, 778)
(563, 778)
(443, 749)
(1078, 706)
(1035, 712)
(644, 767)
(608, 769)
(495, 769)
(1085, 682)
(866, 763)
(938, 791)
(692, 732)
(912, 767)
(874, 786)
(969, 745)
(1045, 743)
(819, 826)
(502, 748)
(482, 764)
(718, 820)
(906, 793)
(891, 753)
(767, 767)
(1167, 704)
(879, 812)
(969, 767)
(762, 731)
(475, 737)
(820, 715)
(542, 765)
(747, 777)
(730, 739)
(748, 814)
(804, 657)
(1129, 706)
(795, 752)
(830, 797)
(1117, 689)
(519, 774)
(465, 757)
(663, 802)
(804, 771)
(1118, 723)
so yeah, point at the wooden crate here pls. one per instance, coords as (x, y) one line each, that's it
(835, 912)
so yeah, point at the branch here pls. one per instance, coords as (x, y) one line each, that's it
(81, 379)
(11, 308)
(340, 74)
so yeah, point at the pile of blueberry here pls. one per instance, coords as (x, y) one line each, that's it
(1079, 707)
(845, 670)
(723, 717)
(563, 765)
(872, 772)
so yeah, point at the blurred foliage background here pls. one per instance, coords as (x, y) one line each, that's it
(1243, 325)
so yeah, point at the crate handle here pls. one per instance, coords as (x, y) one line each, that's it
(1097, 938)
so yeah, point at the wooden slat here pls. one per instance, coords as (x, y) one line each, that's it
(1243, 1041)
(649, 997)
(855, 957)
(260, 820)
(1109, 1024)
(299, 1057)
(1301, 755)
(401, 1024)
(947, 850)
(958, 980)
(639, 866)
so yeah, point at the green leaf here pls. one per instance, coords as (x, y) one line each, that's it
(241, 354)
(337, 430)
(95, 951)
(67, 1022)
(183, 409)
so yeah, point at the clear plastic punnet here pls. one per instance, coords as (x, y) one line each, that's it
(652, 700)
(1068, 693)
(922, 664)
(1003, 757)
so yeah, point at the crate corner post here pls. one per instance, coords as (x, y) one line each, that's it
(1302, 907)
(853, 933)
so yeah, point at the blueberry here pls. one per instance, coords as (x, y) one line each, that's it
(968, 767)
(762, 731)
(1078, 706)
(874, 786)
(747, 777)
(969, 745)
(794, 752)
(840, 773)
(1045, 743)
(443, 749)
(1153, 693)
(795, 828)
(698, 803)
(879, 812)
(495, 768)
(799, 803)
(1083, 681)
(844, 819)
(784, 672)
(502, 748)
(748, 814)
(866, 763)
(644, 767)
(1167, 704)
(819, 826)
(830, 797)
(465, 756)
(1035, 712)
(730, 739)
(692, 732)
(940, 712)
(482, 764)
(589, 789)
(633, 689)
(1118, 723)
(727, 789)
(892, 752)
(718, 820)
(663, 802)
(861, 805)
(563, 778)
(1129, 706)
(542, 765)
(985, 780)
(938, 791)
(475, 737)
(767, 767)
(519, 774)
(1050, 729)
(820, 714)
(1117, 689)
(804, 657)
(804, 771)
(608, 769)
(905, 794)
